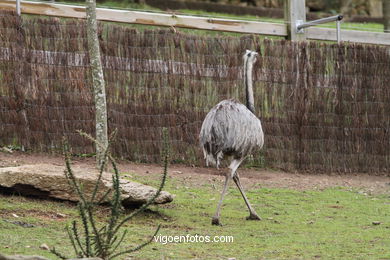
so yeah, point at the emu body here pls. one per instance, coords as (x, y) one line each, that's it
(232, 130)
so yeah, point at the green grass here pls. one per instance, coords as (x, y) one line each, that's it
(334, 223)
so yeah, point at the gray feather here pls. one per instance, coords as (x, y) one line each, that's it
(230, 129)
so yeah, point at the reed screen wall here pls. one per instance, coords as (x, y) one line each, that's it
(324, 107)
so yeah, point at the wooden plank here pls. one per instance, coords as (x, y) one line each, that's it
(158, 19)
(329, 34)
(294, 10)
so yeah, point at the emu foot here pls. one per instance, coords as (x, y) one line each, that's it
(215, 221)
(253, 216)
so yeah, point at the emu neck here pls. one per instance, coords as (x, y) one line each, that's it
(250, 104)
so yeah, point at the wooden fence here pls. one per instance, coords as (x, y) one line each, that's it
(324, 107)
(204, 23)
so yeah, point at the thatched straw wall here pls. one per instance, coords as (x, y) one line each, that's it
(324, 107)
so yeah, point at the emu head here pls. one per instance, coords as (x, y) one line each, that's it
(250, 56)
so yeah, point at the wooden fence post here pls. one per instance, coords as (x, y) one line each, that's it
(97, 81)
(386, 15)
(294, 14)
(18, 7)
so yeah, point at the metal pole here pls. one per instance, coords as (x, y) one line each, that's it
(320, 21)
(338, 31)
(18, 7)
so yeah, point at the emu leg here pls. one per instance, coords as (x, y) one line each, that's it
(252, 213)
(215, 219)
(233, 167)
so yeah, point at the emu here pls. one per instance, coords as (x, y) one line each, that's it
(232, 130)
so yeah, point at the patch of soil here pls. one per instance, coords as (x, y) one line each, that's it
(198, 176)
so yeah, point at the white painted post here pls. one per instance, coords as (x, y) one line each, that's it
(18, 7)
(295, 14)
(338, 22)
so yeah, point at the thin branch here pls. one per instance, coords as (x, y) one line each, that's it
(58, 254)
(94, 228)
(86, 230)
(137, 247)
(69, 173)
(151, 200)
(77, 238)
(104, 197)
(72, 241)
(103, 162)
(118, 243)
(116, 205)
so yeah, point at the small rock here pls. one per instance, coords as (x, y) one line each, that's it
(20, 223)
(60, 215)
(6, 149)
(375, 223)
(44, 247)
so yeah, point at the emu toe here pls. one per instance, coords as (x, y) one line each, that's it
(253, 217)
(215, 221)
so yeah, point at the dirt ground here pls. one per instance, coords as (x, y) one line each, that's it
(193, 176)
